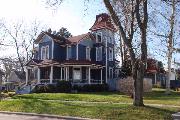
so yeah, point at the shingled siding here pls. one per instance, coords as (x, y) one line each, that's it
(59, 52)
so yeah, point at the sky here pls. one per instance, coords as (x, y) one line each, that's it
(75, 15)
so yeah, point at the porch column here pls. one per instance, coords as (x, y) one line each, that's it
(38, 75)
(61, 73)
(155, 78)
(27, 76)
(66, 72)
(101, 77)
(51, 75)
(89, 77)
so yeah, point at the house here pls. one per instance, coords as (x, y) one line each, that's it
(84, 59)
(15, 80)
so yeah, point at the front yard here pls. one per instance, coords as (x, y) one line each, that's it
(95, 105)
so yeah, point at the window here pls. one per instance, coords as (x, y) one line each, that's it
(98, 53)
(88, 53)
(110, 73)
(110, 54)
(69, 52)
(99, 37)
(45, 52)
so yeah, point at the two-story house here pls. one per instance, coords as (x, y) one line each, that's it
(84, 59)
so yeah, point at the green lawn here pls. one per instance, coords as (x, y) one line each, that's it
(39, 103)
(91, 110)
(157, 96)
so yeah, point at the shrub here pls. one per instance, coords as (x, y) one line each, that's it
(44, 89)
(91, 88)
(63, 86)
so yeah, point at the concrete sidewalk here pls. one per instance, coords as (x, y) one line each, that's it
(5, 115)
(176, 116)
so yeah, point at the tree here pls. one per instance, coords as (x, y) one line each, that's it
(63, 32)
(168, 33)
(138, 8)
(22, 37)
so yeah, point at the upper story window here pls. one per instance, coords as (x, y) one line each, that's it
(88, 53)
(99, 37)
(110, 54)
(69, 52)
(98, 53)
(45, 52)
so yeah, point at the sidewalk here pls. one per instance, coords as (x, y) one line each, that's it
(34, 116)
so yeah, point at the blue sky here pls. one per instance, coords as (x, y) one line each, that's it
(75, 15)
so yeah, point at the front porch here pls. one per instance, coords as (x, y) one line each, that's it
(77, 74)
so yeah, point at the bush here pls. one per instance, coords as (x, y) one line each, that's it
(44, 89)
(91, 88)
(63, 86)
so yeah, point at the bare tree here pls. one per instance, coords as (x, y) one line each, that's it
(169, 34)
(22, 36)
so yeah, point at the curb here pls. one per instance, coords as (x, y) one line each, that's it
(176, 116)
(46, 115)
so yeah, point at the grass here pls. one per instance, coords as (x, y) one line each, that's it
(157, 96)
(38, 103)
(90, 110)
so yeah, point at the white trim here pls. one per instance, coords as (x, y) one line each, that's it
(51, 75)
(77, 51)
(100, 54)
(52, 49)
(39, 72)
(101, 76)
(47, 51)
(27, 76)
(67, 49)
(98, 33)
(89, 76)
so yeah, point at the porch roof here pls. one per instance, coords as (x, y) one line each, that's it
(40, 63)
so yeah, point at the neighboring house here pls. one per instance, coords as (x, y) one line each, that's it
(15, 80)
(84, 59)
(156, 72)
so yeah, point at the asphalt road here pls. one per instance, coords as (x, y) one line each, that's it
(24, 117)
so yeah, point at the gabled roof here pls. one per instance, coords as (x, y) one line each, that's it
(56, 38)
(76, 39)
(103, 21)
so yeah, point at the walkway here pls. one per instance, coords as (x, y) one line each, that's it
(34, 116)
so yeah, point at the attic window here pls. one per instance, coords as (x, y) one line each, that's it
(45, 52)
(99, 37)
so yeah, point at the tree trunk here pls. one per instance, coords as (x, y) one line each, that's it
(170, 46)
(121, 51)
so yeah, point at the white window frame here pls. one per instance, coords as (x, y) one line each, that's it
(88, 57)
(67, 51)
(46, 51)
(99, 33)
(97, 54)
(111, 54)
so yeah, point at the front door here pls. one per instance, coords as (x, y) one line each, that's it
(77, 74)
